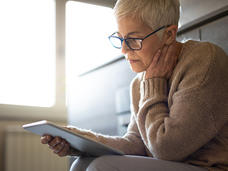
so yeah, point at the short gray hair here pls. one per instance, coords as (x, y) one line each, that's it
(154, 13)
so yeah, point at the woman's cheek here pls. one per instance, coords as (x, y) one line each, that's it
(146, 57)
(147, 61)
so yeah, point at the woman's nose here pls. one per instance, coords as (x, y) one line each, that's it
(124, 48)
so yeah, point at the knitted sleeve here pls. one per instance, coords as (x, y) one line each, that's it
(131, 143)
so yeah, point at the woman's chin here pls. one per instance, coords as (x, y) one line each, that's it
(137, 69)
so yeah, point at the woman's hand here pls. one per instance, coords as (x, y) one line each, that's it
(164, 62)
(59, 146)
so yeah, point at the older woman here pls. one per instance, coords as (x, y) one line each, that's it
(179, 99)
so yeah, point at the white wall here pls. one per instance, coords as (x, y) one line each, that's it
(194, 9)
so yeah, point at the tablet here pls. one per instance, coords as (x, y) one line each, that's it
(77, 141)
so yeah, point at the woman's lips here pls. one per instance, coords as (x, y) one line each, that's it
(133, 61)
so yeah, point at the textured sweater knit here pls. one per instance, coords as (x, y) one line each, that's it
(182, 119)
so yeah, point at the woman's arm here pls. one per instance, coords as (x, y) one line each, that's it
(131, 143)
(197, 112)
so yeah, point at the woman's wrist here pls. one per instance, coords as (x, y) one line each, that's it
(73, 152)
(156, 86)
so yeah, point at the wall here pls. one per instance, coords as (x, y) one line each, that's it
(195, 9)
(91, 100)
(215, 31)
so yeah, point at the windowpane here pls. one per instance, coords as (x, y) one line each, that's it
(87, 30)
(27, 52)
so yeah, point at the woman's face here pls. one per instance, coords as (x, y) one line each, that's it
(139, 59)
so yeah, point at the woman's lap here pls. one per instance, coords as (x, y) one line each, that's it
(131, 163)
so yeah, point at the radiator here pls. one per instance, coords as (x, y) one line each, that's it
(24, 152)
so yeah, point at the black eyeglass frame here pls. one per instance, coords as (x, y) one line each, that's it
(141, 39)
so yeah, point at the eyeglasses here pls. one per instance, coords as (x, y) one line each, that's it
(132, 43)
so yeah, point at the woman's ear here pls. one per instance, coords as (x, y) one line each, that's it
(170, 34)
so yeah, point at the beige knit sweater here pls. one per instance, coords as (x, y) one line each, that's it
(183, 119)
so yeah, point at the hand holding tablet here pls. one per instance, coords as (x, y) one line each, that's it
(59, 146)
(66, 140)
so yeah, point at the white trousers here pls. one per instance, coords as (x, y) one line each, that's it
(129, 163)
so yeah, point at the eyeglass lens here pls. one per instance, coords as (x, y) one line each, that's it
(134, 43)
(131, 43)
(116, 42)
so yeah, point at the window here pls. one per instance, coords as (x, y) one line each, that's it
(87, 30)
(27, 52)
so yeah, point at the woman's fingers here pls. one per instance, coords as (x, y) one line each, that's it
(65, 149)
(46, 139)
(54, 142)
(163, 54)
(156, 57)
(59, 147)
(163, 62)
(170, 53)
(57, 144)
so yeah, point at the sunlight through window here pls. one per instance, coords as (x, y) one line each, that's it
(87, 30)
(27, 52)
